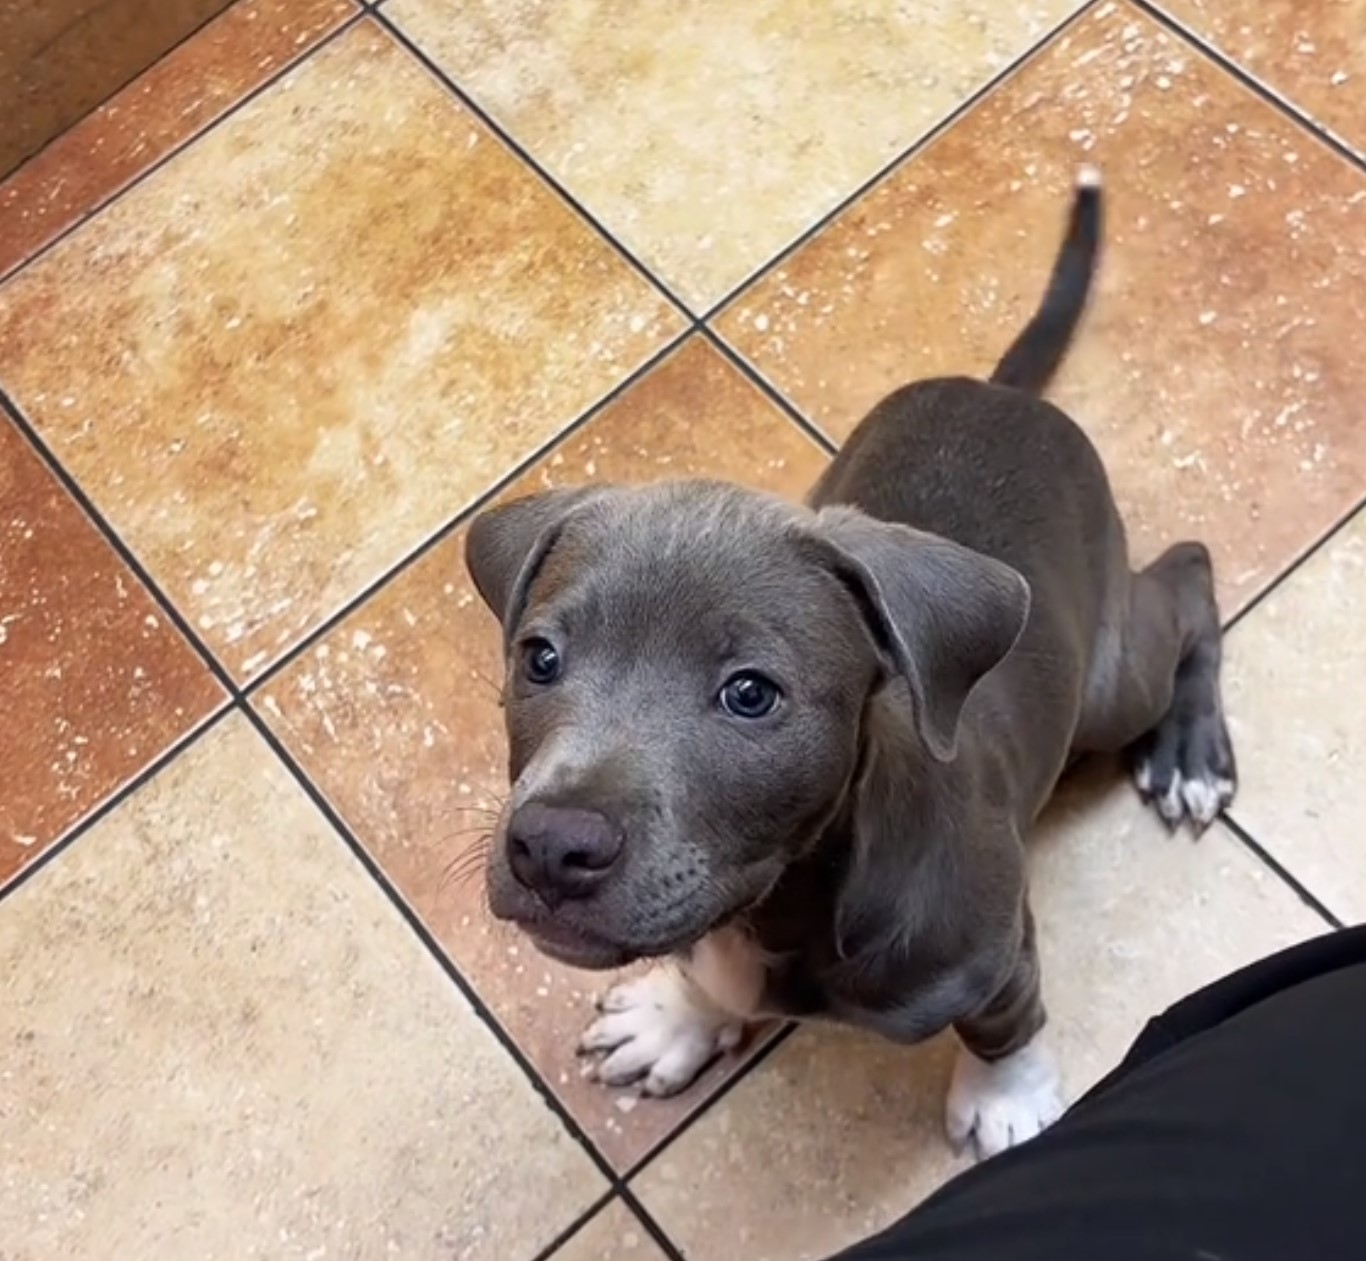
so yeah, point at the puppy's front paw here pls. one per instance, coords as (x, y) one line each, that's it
(1001, 1103)
(659, 1029)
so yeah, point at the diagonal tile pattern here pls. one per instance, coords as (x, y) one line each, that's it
(1313, 55)
(97, 683)
(1212, 372)
(706, 136)
(1292, 670)
(192, 85)
(615, 1234)
(230, 1045)
(321, 332)
(285, 309)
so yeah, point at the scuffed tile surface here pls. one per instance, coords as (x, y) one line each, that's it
(1293, 674)
(1130, 921)
(228, 1044)
(707, 136)
(96, 682)
(615, 1234)
(311, 339)
(1212, 372)
(395, 715)
(1314, 55)
(189, 88)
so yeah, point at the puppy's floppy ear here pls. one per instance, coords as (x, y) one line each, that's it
(942, 614)
(507, 544)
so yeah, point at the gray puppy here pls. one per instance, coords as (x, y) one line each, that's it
(795, 752)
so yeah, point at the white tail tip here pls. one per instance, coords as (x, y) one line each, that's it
(1088, 177)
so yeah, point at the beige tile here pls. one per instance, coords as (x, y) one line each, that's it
(615, 1234)
(221, 1041)
(313, 337)
(1292, 683)
(707, 136)
(1312, 54)
(1130, 921)
(395, 715)
(186, 90)
(1212, 371)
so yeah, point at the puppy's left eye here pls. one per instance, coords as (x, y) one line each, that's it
(541, 661)
(750, 694)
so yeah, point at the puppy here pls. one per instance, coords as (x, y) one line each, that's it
(795, 751)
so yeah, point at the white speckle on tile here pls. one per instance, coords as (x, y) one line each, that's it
(1236, 190)
(1208, 317)
(1339, 78)
(761, 322)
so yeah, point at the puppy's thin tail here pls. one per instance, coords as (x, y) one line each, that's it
(1035, 354)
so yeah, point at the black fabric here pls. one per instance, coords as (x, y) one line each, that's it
(1234, 1130)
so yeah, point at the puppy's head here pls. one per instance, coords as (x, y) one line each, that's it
(688, 667)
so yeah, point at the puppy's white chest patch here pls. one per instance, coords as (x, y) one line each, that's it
(730, 969)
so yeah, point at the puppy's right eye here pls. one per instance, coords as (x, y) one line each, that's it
(750, 695)
(541, 661)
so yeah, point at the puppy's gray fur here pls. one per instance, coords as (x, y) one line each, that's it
(950, 619)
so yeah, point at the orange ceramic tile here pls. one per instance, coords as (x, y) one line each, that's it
(196, 83)
(708, 135)
(96, 682)
(395, 715)
(1314, 55)
(298, 349)
(61, 58)
(1213, 372)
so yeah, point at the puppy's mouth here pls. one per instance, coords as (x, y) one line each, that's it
(593, 951)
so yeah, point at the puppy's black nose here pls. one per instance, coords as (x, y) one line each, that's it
(559, 852)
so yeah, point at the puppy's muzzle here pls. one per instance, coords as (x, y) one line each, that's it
(560, 853)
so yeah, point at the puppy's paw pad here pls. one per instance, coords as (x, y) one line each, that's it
(654, 1029)
(1000, 1104)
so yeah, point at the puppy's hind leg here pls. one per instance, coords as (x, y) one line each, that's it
(1162, 699)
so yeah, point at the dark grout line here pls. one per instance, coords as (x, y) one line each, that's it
(1265, 92)
(1269, 860)
(580, 1223)
(330, 623)
(8, 407)
(98, 813)
(769, 390)
(740, 1074)
(914, 149)
(199, 29)
(656, 1232)
(1284, 575)
(426, 937)
(518, 150)
(697, 324)
(175, 151)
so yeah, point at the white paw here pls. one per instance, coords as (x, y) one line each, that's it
(657, 1028)
(999, 1104)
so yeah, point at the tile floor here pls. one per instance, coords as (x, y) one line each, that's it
(278, 316)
